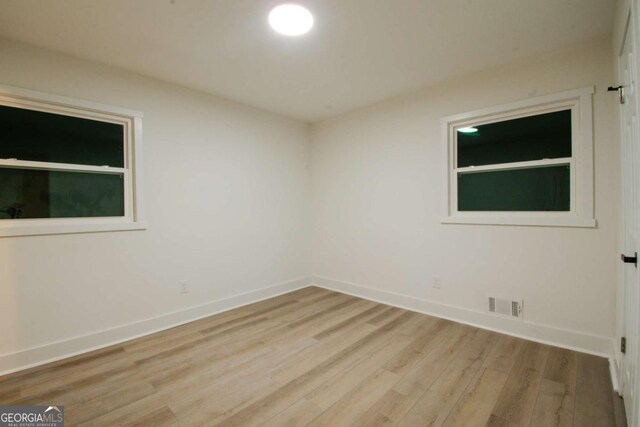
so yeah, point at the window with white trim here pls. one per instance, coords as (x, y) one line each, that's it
(525, 163)
(67, 165)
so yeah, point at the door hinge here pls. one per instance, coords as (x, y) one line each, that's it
(620, 90)
(623, 345)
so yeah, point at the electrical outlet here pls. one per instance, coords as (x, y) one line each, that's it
(437, 282)
(183, 287)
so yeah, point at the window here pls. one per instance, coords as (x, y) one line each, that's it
(526, 163)
(67, 166)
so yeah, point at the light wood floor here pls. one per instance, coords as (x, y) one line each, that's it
(320, 358)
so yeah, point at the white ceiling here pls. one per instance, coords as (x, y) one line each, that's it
(359, 52)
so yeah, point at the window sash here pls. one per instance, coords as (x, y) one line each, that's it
(512, 166)
(106, 170)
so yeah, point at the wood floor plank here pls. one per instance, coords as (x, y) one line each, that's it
(433, 407)
(319, 357)
(224, 342)
(139, 409)
(335, 388)
(619, 410)
(554, 405)
(426, 342)
(158, 418)
(562, 367)
(92, 408)
(504, 358)
(308, 306)
(475, 405)
(201, 365)
(555, 401)
(321, 352)
(355, 403)
(74, 378)
(247, 319)
(427, 369)
(389, 409)
(388, 313)
(495, 421)
(76, 370)
(518, 397)
(237, 371)
(303, 384)
(61, 368)
(63, 395)
(199, 392)
(321, 323)
(328, 312)
(356, 318)
(438, 353)
(593, 404)
(156, 346)
(299, 414)
(221, 403)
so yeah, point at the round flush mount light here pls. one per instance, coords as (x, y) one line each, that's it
(290, 19)
(467, 130)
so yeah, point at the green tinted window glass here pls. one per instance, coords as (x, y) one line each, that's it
(31, 193)
(46, 137)
(544, 136)
(535, 189)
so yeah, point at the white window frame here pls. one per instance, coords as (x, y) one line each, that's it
(131, 121)
(581, 213)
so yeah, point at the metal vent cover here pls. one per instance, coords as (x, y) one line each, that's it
(505, 307)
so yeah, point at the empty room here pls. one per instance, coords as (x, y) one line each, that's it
(319, 213)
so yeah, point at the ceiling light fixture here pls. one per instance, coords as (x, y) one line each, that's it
(467, 130)
(290, 19)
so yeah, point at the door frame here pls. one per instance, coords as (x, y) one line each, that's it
(631, 15)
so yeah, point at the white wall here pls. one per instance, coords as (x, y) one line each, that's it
(377, 184)
(228, 203)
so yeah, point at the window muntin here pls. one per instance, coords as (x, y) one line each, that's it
(548, 182)
(68, 166)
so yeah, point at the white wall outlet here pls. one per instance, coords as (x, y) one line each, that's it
(183, 287)
(437, 282)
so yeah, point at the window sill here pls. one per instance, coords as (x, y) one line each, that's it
(16, 230)
(531, 221)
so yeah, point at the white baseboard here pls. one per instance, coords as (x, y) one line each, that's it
(614, 370)
(52, 352)
(573, 340)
